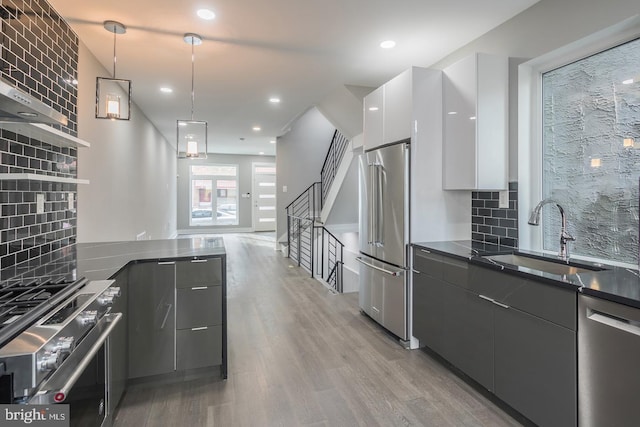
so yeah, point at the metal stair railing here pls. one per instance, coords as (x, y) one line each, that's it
(332, 161)
(330, 262)
(301, 216)
(310, 244)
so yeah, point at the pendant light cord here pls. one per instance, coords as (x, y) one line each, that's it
(193, 93)
(114, 51)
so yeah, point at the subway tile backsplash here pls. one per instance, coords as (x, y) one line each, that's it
(39, 54)
(491, 224)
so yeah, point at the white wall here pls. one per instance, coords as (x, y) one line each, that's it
(132, 170)
(299, 157)
(546, 26)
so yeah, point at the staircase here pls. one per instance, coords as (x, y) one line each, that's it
(309, 242)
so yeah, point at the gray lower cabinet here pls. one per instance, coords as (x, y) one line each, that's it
(151, 318)
(199, 347)
(468, 328)
(535, 367)
(514, 336)
(200, 314)
(428, 310)
(177, 316)
(118, 344)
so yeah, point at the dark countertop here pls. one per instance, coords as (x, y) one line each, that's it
(102, 260)
(618, 284)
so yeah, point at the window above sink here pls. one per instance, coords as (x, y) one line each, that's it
(579, 144)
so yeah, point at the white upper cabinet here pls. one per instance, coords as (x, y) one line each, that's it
(475, 149)
(373, 117)
(398, 107)
(391, 111)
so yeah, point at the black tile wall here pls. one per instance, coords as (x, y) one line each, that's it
(39, 54)
(491, 224)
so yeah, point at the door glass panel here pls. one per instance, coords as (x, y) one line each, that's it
(214, 195)
(227, 202)
(264, 197)
(201, 206)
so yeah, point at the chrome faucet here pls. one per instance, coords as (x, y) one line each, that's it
(534, 219)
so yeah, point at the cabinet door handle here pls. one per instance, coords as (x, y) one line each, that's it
(486, 298)
(425, 251)
(202, 328)
(415, 271)
(491, 300)
(166, 262)
(166, 315)
(198, 260)
(499, 304)
(198, 288)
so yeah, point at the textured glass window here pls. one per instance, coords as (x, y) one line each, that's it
(591, 153)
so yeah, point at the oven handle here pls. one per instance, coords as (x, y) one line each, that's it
(59, 394)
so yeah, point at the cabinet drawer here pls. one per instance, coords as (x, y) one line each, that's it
(199, 307)
(427, 263)
(455, 271)
(200, 272)
(543, 300)
(199, 347)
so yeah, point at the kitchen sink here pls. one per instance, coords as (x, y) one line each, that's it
(546, 265)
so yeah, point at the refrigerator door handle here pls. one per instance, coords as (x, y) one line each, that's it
(371, 213)
(379, 205)
(384, 270)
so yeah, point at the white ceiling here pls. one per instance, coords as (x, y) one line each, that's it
(297, 50)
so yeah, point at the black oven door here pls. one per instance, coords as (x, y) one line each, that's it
(82, 380)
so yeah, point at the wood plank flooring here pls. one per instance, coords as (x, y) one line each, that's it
(301, 356)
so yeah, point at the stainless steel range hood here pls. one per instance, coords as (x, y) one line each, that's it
(18, 106)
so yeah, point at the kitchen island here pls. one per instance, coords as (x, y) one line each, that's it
(172, 297)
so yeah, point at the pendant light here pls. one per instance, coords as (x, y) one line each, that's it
(113, 96)
(192, 134)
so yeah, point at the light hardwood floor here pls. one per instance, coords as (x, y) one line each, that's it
(301, 356)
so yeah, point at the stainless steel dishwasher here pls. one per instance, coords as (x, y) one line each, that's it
(608, 363)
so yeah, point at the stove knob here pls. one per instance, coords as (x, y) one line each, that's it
(64, 345)
(105, 299)
(108, 296)
(50, 360)
(89, 317)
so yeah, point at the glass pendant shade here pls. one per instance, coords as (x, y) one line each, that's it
(113, 99)
(192, 139)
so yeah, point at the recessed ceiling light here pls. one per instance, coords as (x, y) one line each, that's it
(452, 113)
(182, 124)
(206, 14)
(388, 44)
(166, 90)
(274, 100)
(261, 153)
(373, 108)
(627, 82)
(273, 141)
(256, 128)
(472, 118)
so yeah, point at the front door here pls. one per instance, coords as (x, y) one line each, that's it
(264, 197)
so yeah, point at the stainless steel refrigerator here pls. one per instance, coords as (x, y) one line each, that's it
(384, 235)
